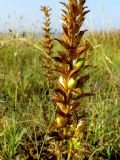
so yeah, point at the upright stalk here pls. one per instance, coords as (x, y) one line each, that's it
(70, 66)
(47, 43)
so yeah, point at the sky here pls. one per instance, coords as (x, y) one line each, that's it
(25, 15)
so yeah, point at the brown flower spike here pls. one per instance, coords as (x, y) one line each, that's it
(47, 42)
(70, 64)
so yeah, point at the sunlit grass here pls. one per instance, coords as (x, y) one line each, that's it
(24, 104)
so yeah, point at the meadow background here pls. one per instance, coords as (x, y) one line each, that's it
(25, 105)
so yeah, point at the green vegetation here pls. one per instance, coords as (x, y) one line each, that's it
(26, 110)
(25, 106)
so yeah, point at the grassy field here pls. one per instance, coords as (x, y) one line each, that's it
(25, 107)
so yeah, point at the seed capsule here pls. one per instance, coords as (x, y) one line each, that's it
(61, 121)
(79, 64)
(71, 83)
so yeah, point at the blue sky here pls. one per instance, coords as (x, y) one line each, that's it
(26, 15)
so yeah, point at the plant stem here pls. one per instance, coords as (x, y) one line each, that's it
(58, 151)
(59, 155)
(70, 150)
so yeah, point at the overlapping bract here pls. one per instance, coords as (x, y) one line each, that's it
(70, 64)
(47, 42)
(68, 99)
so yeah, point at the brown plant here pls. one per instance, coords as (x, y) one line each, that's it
(70, 64)
(47, 43)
